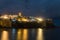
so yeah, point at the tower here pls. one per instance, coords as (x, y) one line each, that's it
(20, 14)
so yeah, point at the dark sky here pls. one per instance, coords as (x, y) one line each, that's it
(48, 8)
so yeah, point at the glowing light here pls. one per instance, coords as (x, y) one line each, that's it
(25, 20)
(5, 17)
(20, 14)
(25, 34)
(40, 34)
(4, 35)
(19, 35)
(19, 20)
(40, 19)
(32, 20)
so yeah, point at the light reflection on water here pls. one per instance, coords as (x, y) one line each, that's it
(25, 34)
(19, 34)
(4, 35)
(22, 34)
(13, 34)
(40, 34)
(32, 34)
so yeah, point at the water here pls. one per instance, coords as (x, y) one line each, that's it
(30, 34)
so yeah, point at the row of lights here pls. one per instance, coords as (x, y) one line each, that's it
(13, 17)
(23, 19)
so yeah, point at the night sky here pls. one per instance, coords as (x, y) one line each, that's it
(46, 8)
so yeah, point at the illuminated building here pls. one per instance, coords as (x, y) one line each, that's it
(19, 21)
